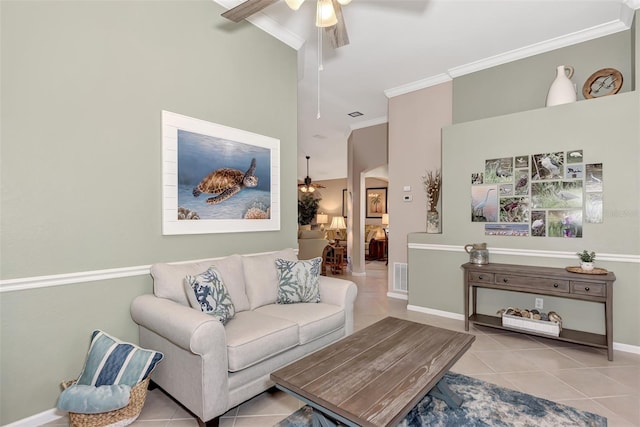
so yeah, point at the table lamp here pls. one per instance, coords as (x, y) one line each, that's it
(322, 219)
(337, 223)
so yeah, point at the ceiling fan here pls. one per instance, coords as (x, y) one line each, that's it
(308, 186)
(328, 16)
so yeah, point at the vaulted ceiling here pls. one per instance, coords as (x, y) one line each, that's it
(397, 46)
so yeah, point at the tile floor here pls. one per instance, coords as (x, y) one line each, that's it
(571, 374)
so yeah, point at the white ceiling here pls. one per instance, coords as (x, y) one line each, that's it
(402, 45)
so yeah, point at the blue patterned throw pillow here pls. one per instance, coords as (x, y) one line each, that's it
(207, 292)
(111, 361)
(298, 280)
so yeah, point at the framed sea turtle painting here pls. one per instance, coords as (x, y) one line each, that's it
(217, 179)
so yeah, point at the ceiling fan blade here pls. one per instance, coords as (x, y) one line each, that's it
(337, 34)
(246, 9)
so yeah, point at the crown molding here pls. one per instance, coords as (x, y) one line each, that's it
(417, 85)
(542, 47)
(268, 25)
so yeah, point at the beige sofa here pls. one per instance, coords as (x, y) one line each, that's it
(210, 367)
(311, 243)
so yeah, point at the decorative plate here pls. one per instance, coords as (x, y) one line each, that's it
(577, 269)
(607, 81)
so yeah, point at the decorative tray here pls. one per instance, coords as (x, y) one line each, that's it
(577, 269)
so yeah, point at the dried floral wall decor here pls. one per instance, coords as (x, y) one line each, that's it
(543, 195)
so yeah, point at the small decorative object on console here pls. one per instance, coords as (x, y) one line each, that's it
(586, 259)
(532, 320)
(604, 82)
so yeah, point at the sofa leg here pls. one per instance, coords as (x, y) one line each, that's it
(211, 423)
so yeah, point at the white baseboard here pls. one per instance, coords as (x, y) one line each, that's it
(627, 348)
(398, 295)
(39, 419)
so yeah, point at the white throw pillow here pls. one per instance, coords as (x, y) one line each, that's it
(298, 281)
(206, 292)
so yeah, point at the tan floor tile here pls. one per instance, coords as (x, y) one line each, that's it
(497, 379)
(592, 383)
(258, 421)
(548, 359)
(543, 385)
(269, 403)
(627, 407)
(158, 406)
(501, 361)
(515, 341)
(470, 365)
(627, 375)
(596, 357)
(484, 342)
(590, 405)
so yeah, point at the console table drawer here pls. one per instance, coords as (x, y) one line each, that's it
(531, 282)
(475, 276)
(585, 288)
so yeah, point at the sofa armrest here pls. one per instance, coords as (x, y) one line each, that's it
(342, 293)
(185, 327)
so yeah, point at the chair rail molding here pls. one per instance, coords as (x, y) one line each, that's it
(527, 252)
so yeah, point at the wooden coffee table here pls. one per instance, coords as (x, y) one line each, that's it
(375, 376)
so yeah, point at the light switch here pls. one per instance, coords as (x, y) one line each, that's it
(407, 197)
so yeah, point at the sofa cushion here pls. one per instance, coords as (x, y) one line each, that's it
(261, 276)
(313, 320)
(298, 281)
(206, 292)
(168, 279)
(253, 337)
(311, 234)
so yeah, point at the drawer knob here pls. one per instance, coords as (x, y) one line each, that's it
(505, 280)
(586, 288)
(555, 285)
(480, 277)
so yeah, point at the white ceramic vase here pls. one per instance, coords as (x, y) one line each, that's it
(586, 266)
(562, 90)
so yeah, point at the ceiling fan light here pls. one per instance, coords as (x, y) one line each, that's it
(311, 189)
(303, 189)
(325, 14)
(295, 4)
(344, 2)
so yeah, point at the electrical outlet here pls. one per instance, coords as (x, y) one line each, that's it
(539, 303)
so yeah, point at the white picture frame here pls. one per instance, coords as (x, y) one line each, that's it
(193, 149)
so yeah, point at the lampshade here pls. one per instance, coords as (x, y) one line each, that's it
(344, 2)
(325, 15)
(385, 219)
(337, 223)
(322, 218)
(295, 4)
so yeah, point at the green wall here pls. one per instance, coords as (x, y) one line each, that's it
(606, 129)
(83, 86)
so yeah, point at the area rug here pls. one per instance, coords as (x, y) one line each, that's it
(484, 404)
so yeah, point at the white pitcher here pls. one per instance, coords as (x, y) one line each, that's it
(562, 90)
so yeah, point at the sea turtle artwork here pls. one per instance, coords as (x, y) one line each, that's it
(225, 183)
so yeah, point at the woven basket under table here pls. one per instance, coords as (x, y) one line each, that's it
(119, 417)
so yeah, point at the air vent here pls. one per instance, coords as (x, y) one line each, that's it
(356, 114)
(400, 276)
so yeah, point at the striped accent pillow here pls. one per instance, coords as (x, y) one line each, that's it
(111, 361)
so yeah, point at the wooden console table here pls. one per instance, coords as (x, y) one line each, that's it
(543, 281)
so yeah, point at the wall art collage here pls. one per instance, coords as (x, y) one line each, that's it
(542, 195)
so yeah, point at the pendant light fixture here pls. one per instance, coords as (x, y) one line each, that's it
(325, 14)
(295, 4)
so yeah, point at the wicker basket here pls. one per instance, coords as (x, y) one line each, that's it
(119, 417)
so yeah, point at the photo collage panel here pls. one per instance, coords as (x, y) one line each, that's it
(541, 195)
